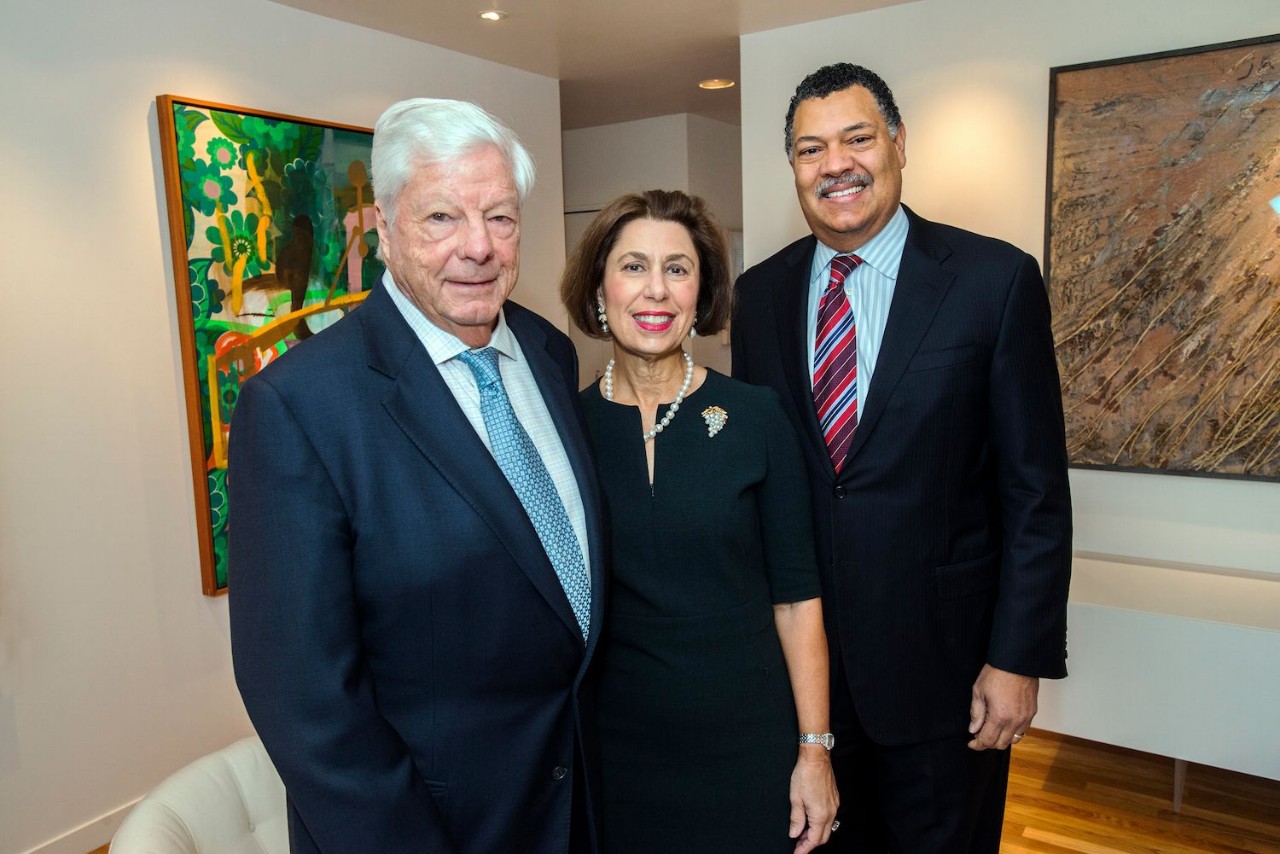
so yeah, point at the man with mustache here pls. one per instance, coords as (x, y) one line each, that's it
(916, 362)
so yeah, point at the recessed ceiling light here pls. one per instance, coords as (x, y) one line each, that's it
(493, 15)
(716, 83)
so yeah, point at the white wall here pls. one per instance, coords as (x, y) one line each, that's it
(114, 669)
(715, 167)
(601, 163)
(972, 81)
(678, 152)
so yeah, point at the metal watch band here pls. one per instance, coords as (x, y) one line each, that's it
(826, 739)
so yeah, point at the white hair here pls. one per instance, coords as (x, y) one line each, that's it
(423, 131)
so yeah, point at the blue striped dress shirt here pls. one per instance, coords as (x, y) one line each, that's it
(870, 291)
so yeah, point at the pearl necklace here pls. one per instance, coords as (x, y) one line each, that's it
(675, 404)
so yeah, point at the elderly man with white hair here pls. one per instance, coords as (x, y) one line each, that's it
(416, 557)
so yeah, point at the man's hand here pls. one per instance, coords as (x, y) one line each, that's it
(814, 799)
(1002, 708)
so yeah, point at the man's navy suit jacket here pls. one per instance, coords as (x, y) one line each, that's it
(400, 638)
(945, 540)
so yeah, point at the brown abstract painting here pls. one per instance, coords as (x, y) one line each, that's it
(1162, 233)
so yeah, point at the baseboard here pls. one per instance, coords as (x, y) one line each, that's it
(87, 837)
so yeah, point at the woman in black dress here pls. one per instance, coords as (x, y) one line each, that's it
(714, 656)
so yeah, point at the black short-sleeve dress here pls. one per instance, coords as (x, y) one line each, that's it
(697, 719)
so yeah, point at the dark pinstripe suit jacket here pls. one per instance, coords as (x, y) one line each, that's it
(945, 540)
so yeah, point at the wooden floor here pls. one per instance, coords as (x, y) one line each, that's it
(1068, 796)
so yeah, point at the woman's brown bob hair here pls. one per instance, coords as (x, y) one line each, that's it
(584, 272)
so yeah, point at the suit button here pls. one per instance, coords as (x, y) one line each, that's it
(559, 772)
(840, 492)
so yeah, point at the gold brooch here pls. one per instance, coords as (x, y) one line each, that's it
(715, 418)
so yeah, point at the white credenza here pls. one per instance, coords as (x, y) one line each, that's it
(1178, 660)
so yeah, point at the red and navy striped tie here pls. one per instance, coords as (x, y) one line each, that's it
(835, 363)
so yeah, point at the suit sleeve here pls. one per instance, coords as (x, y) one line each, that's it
(737, 365)
(742, 309)
(1030, 623)
(296, 639)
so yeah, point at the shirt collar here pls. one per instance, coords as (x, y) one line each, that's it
(441, 345)
(882, 253)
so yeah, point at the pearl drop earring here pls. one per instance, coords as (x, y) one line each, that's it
(600, 316)
(693, 330)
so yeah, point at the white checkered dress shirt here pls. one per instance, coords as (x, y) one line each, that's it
(521, 388)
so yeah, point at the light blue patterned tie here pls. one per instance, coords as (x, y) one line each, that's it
(519, 460)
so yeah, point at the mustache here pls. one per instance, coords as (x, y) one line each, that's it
(847, 178)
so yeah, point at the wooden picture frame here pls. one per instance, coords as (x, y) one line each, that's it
(273, 238)
(1162, 258)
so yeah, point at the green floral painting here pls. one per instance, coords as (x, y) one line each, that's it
(272, 229)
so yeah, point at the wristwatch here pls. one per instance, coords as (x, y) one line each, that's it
(826, 739)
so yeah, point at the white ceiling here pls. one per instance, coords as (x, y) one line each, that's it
(616, 60)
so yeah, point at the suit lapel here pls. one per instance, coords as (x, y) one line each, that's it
(791, 299)
(422, 405)
(922, 284)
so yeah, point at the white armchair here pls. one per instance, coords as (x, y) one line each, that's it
(228, 802)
